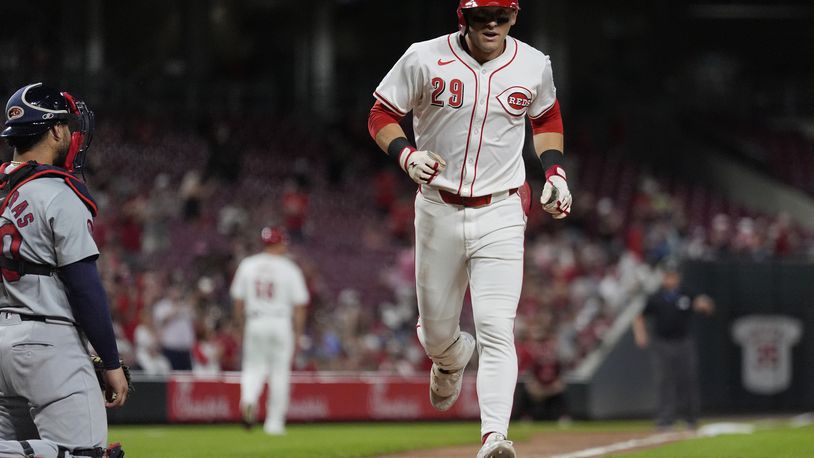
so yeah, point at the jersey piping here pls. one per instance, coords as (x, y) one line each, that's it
(474, 107)
(486, 114)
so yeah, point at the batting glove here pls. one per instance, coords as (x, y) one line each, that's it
(556, 197)
(422, 166)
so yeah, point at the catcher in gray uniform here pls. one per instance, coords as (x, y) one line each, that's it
(52, 301)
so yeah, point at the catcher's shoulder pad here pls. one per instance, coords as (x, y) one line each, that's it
(10, 182)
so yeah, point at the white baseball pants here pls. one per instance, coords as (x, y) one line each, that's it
(480, 248)
(268, 346)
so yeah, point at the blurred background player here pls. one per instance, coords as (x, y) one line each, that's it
(270, 296)
(471, 93)
(671, 309)
(52, 296)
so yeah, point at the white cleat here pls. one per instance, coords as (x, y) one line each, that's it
(274, 430)
(446, 387)
(497, 446)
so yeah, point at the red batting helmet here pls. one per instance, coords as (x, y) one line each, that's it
(273, 235)
(469, 4)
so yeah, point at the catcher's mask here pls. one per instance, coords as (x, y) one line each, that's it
(35, 108)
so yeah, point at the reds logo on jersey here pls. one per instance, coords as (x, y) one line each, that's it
(515, 100)
(15, 112)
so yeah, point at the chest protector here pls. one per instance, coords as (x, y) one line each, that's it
(12, 181)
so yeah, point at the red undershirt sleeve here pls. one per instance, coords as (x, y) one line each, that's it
(379, 117)
(550, 121)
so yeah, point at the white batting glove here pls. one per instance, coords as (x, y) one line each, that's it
(422, 166)
(556, 197)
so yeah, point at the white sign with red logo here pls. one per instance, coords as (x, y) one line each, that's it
(766, 366)
(318, 397)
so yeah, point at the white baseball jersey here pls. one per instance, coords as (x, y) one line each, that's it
(470, 114)
(270, 285)
(766, 363)
(44, 223)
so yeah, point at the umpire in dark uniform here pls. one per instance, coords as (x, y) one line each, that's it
(671, 310)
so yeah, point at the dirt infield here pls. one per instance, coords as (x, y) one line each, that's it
(540, 446)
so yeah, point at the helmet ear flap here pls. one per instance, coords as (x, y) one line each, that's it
(463, 21)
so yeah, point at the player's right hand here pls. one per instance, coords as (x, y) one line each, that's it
(116, 391)
(422, 166)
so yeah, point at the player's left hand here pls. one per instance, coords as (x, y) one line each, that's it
(112, 382)
(116, 387)
(556, 197)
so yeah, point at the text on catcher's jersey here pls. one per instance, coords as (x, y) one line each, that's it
(44, 223)
(471, 114)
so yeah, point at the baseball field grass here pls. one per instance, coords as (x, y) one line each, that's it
(373, 439)
(301, 441)
(782, 442)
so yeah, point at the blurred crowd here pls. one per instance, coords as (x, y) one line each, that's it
(180, 209)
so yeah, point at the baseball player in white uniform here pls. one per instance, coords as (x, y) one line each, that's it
(52, 301)
(270, 295)
(470, 93)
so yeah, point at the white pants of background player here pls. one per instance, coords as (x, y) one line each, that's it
(47, 375)
(480, 248)
(268, 346)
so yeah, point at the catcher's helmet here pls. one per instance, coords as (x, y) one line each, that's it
(273, 235)
(469, 4)
(35, 108)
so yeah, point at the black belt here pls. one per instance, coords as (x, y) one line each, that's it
(33, 318)
(23, 267)
(97, 452)
(44, 319)
(40, 318)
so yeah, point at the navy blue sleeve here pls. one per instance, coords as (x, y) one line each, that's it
(89, 303)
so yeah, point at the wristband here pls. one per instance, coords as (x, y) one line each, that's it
(552, 160)
(397, 147)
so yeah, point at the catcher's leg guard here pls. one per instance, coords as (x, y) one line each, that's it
(113, 451)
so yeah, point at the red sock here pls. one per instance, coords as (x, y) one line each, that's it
(486, 436)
